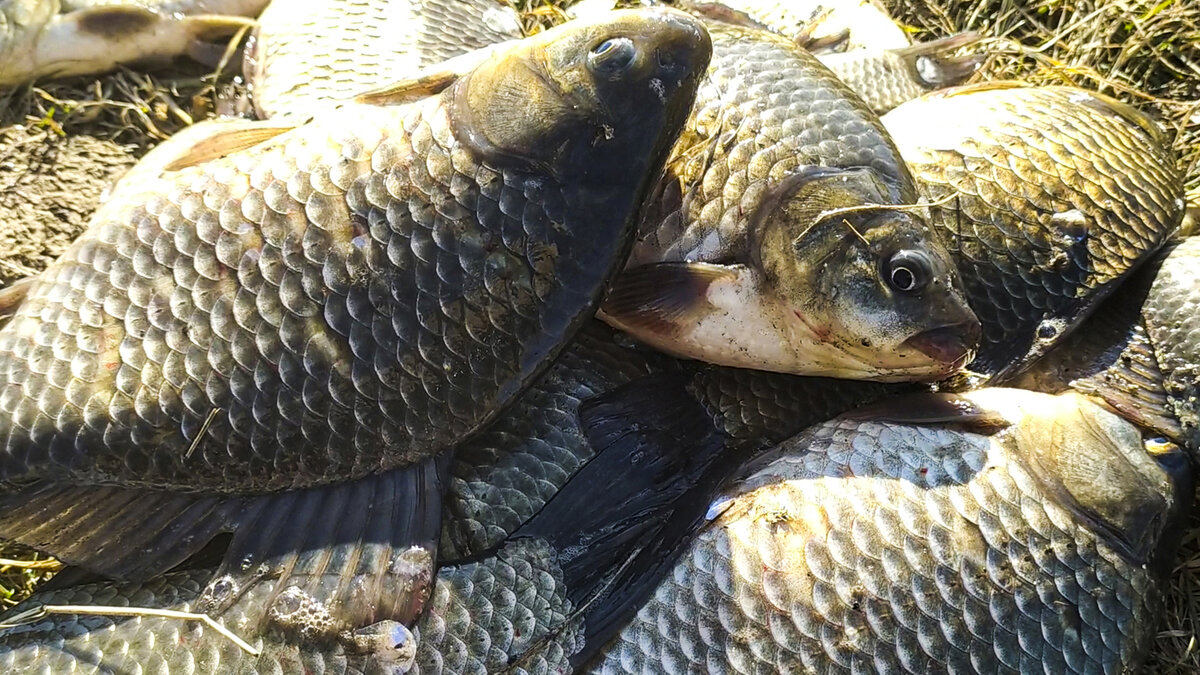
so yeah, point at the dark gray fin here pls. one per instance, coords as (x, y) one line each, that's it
(623, 520)
(929, 408)
(117, 532)
(362, 552)
(12, 295)
(659, 297)
(935, 67)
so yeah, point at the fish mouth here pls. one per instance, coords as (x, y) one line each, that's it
(951, 346)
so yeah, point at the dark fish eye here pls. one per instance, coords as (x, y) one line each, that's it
(908, 271)
(612, 57)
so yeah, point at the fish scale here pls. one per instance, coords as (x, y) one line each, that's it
(296, 61)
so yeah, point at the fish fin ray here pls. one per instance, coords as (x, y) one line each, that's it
(218, 139)
(13, 295)
(929, 408)
(359, 552)
(116, 532)
(660, 296)
(431, 80)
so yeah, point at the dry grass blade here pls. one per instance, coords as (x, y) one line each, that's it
(42, 611)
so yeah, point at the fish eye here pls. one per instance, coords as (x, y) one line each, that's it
(612, 57)
(908, 271)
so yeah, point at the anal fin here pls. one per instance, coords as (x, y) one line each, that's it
(116, 532)
(362, 552)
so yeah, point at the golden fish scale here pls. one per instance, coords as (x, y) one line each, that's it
(892, 550)
(345, 299)
(1023, 162)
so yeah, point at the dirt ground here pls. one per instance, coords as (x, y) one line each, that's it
(63, 143)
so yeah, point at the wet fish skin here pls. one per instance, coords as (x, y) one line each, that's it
(53, 38)
(484, 293)
(1057, 193)
(757, 80)
(507, 473)
(868, 546)
(754, 407)
(297, 60)
(740, 233)
(481, 616)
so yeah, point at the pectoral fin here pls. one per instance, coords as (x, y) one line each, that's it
(360, 552)
(660, 297)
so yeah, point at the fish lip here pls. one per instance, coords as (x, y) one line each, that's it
(952, 346)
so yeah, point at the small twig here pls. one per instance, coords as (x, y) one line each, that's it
(36, 613)
(212, 415)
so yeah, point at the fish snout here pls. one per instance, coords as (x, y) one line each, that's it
(952, 346)
(684, 47)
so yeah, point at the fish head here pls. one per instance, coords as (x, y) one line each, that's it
(868, 283)
(597, 101)
(1132, 492)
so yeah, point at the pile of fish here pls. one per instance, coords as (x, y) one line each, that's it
(722, 337)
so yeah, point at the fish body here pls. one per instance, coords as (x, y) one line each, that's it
(53, 38)
(267, 285)
(744, 258)
(306, 53)
(1051, 196)
(524, 606)
(866, 545)
(308, 324)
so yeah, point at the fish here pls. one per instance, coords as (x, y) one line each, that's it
(885, 78)
(307, 53)
(1047, 197)
(523, 606)
(782, 236)
(851, 24)
(62, 38)
(1139, 351)
(266, 342)
(1011, 531)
